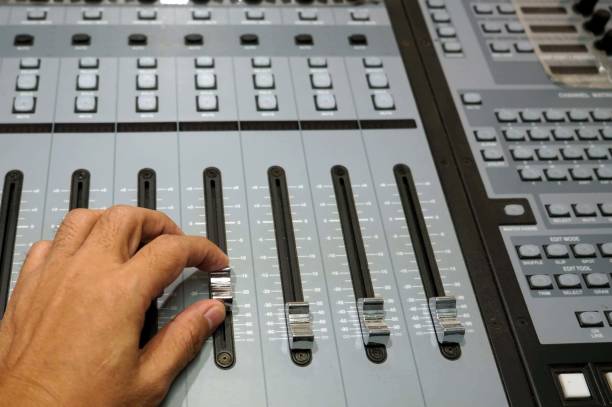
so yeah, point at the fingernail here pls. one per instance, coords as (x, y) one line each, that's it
(215, 314)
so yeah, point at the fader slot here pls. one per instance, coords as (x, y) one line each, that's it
(442, 308)
(220, 282)
(374, 331)
(297, 311)
(79, 189)
(147, 198)
(9, 216)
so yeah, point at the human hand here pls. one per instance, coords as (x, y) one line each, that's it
(71, 329)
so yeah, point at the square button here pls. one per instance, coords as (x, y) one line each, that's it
(574, 386)
(146, 103)
(29, 63)
(201, 15)
(207, 103)
(360, 15)
(87, 81)
(204, 62)
(321, 80)
(147, 14)
(377, 80)
(261, 62)
(308, 15)
(317, 62)
(266, 102)
(325, 101)
(24, 104)
(263, 80)
(372, 62)
(147, 62)
(89, 63)
(254, 14)
(85, 104)
(27, 82)
(37, 15)
(146, 81)
(383, 101)
(92, 15)
(206, 80)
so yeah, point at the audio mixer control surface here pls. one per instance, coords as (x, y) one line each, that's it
(415, 195)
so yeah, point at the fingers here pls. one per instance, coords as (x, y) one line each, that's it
(74, 229)
(36, 256)
(121, 229)
(179, 342)
(160, 262)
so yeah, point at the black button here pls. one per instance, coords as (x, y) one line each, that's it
(137, 39)
(200, 1)
(585, 7)
(194, 39)
(303, 39)
(81, 39)
(358, 39)
(249, 39)
(598, 21)
(23, 40)
(605, 43)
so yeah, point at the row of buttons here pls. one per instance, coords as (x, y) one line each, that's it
(568, 281)
(552, 115)
(557, 250)
(444, 28)
(494, 27)
(581, 210)
(571, 153)
(593, 319)
(505, 48)
(558, 134)
(575, 387)
(485, 9)
(561, 174)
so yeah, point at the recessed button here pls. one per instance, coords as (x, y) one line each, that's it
(358, 40)
(204, 62)
(492, 154)
(588, 319)
(601, 115)
(146, 81)
(522, 154)
(137, 40)
(556, 251)
(555, 174)
(568, 281)
(325, 101)
(320, 80)
(471, 98)
(538, 134)
(440, 17)
(303, 40)
(206, 80)
(360, 15)
(37, 15)
(606, 208)
(29, 63)
(249, 39)
(377, 80)
(578, 115)
(506, 9)
(194, 39)
(88, 63)
(540, 282)
(24, 104)
(87, 81)
(81, 40)
(483, 135)
(436, 3)
(261, 62)
(452, 47)
(588, 133)
(558, 210)
(500, 47)
(515, 134)
(383, 101)
(574, 386)
(506, 116)
(547, 154)
(147, 63)
(317, 62)
(523, 47)
(27, 82)
(584, 250)
(554, 115)
(530, 116)
(572, 153)
(146, 103)
(597, 153)
(515, 27)
(584, 209)
(530, 174)
(23, 40)
(207, 103)
(372, 62)
(529, 251)
(85, 104)
(491, 27)
(606, 249)
(483, 9)
(263, 80)
(147, 14)
(563, 134)
(266, 102)
(91, 15)
(514, 210)
(308, 15)
(606, 133)
(201, 15)
(255, 14)
(604, 173)
(581, 174)
(597, 280)
(446, 32)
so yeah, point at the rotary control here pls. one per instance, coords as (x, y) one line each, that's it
(605, 43)
(597, 22)
(585, 7)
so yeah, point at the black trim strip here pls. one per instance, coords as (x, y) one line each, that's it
(84, 128)
(79, 189)
(9, 218)
(26, 127)
(146, 127)
(269, 125)
(208, 126)
(388, 124)
(329, 125)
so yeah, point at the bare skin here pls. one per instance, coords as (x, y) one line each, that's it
(70, 333)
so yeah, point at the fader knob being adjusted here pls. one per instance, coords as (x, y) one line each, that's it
(605, 43)
(597, 22)
(585, 7)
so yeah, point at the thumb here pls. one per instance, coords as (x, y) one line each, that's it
(172, 348)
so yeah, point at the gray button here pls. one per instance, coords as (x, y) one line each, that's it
(578, 115)
(24, 104)
(563, 134)
(604, 173)
(500, 47)
(308, 15)
(523, 47)
(447, 32)
(92, 14)
(606, 208)
(568, 281)
(491, 27)
(492, 154)
(538, 134)
(206, 80)
(505, 9)
(207, 103)
(147, 14)
(530, 116)
(204, 62)
(377, 80)
(601, 115)
(514, 210)
(27, 82)
(87, 81)
(89, 63)
(325, 102)
(85, 104)
(581, 174)
(556, 251)
(201, 14)
(590, 319)
(261, 62)
(360, 15)
(321, 80)
(515, 27)
(606, 133)
(266, 102)
(254, 14)
(263, 80)
(452, 47)
(506, 116)
(606, 249)
(146, 103)
(596, 153)
(572, 153)
(515, 134)
(485, 135)
(483, 8)
(383, 101)
(540, 282)
(147, 62)
(554, 115)
(522, 154)
(556, 174)
(372, 62)
(440, 17)
(317, 62)
(558, 210)
(584, 250)
(436, 3)
(547, 153)
(588, 133)
(146, 81)
(471, 98)
(596, 280)
(37, 15)
(29, 63)
(530, 174)
(529, 251)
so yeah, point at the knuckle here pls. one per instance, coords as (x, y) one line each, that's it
(120, 212)
(39, 246)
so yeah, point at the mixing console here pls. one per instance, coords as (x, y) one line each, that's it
(415, 196)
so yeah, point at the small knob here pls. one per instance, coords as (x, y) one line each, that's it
(598, 21)
(585, 7)
(605, 43)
